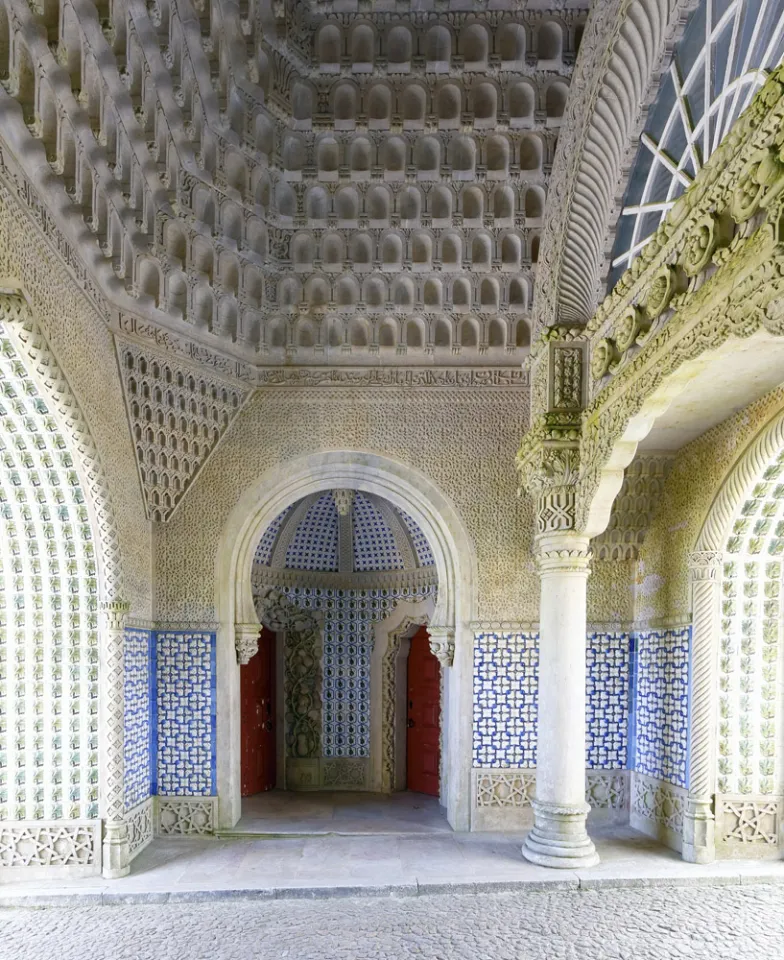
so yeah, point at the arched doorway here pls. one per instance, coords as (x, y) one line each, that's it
(454, 564)
(327, 572)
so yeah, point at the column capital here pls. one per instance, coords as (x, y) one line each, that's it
(115, 613)
(563, 553)
(705, 565)
(246, 641)
(442, 644)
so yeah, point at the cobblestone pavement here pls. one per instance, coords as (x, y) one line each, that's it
(658, 923)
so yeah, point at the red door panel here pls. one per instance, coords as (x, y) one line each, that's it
(257, 718)
(424, 716)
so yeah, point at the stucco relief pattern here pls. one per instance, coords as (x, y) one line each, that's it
(447, 435)
(695, 476)
(79, 339)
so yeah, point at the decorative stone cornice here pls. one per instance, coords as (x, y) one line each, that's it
(735, 291)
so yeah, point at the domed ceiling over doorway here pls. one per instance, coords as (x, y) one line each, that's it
(345, 533)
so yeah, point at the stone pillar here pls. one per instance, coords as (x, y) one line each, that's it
(116, 849)
(699, 842)
(559, 837)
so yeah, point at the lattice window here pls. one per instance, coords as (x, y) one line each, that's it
(750, 668)
(48, 613)
(726, 53)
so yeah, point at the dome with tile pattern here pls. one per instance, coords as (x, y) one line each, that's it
(343, 531)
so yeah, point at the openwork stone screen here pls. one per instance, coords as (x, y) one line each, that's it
(750, 668)
(725, 55)
(48, 613)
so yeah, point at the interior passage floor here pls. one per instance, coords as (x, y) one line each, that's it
(288, 812)
(714, 923)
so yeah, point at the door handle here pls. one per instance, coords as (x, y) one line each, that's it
(410, 722)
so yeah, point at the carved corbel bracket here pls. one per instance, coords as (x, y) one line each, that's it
(442, 644)
(246, 641)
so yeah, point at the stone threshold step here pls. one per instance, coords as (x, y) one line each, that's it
(572, 884)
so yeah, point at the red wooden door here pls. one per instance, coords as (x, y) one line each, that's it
(424, 720)
(257, 730)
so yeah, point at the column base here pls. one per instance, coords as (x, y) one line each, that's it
(116, 853)
(699, 831)
(559, 838)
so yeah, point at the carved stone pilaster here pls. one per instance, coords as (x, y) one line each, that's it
(116, 848)
(549, 459)
(442, 645)
(699, 844)
(246, 641)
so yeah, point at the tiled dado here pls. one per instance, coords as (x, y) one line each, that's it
(170, 714)
(749, 826)
(501, 799)
(637, 701)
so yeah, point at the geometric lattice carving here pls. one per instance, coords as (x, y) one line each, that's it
(633, 509)
(752, 634)
(186, 816)
(516, 788)
(53, 844)
(749, 820)
(140, 826)
(659, 801)
(504, 788)
(48, 612)
(606, 791)
(177, 416)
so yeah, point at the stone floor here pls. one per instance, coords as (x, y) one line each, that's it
(694, 923)
(403, 865)
(289, 812)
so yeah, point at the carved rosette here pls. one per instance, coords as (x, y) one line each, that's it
(442, 645)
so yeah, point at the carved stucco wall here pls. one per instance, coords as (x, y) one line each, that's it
(696, 476)
(84, 348)
(463, 439)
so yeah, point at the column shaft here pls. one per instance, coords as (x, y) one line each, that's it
(559, 837)
(699, 843)
(116, 850)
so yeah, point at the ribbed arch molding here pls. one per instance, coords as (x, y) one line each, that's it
(621, 57)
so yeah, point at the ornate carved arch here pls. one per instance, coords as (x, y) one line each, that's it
(43, 367)
(615, 78)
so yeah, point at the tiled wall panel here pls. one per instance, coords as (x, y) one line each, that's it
(661, 704)
(186, 713)
(140, 733)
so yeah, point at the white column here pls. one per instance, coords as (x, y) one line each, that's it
(559, 837)
(116, 849)
(699, 842)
